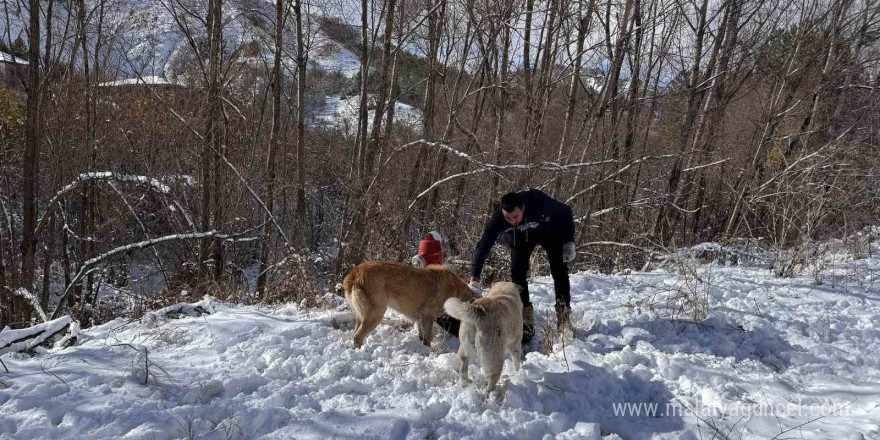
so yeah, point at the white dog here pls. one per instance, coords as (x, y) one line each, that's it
(488, 326)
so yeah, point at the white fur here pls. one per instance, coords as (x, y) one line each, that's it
(488, 326)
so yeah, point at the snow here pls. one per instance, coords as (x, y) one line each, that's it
(143, 80)
(331, 56)
(341, 114)
(33, 301)
(119, 177)
(11, 59)
(774, 353)
(28, 338)
(203, 307)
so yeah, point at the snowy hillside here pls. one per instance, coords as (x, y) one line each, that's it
(775, 356)
(148, 39)
(342, 114)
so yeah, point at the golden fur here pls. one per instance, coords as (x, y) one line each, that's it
(419, 294)
(489, 326)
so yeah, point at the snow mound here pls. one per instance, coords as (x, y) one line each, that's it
(332, 56)
(341, 114)
(733, 254)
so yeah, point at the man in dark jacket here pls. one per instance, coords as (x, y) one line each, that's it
(524, 220)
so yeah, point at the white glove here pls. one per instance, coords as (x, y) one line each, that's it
(476, 288)
(568, 252)
(418, 261)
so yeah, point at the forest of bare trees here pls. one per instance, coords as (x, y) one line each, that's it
(663, 123)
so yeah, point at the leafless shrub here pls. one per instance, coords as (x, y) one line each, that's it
(143, 368)
(808, 256)
(549, 335)
(301, 279)
(688, 297)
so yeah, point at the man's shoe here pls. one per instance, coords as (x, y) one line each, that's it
(563, 317)
(528, 315)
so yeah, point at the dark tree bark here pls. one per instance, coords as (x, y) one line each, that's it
(274, 140)
(33, 136)
(302, 214)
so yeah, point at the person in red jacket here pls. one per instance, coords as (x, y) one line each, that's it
(431, 252)
(522, 221)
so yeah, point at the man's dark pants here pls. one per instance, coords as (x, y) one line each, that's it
(521, 253)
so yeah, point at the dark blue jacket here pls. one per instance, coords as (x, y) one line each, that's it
(545, 220)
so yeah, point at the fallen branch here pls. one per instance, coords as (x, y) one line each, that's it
(84, 269)
(203, 307)
(32, 300)
(96, 176)
(41, 334)
(614, 243)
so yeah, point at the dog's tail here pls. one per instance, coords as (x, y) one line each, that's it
(463, 311)
(357, 299)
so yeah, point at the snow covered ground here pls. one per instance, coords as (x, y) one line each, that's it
(341, 114)
(332, 56)
(773, 358)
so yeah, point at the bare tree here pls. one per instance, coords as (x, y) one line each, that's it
(301, 62)
(33, 136)
(274, 140)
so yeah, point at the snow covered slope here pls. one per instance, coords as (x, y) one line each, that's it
(341, 114)
(147, 38)
(774, 355)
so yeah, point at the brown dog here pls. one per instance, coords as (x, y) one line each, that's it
(419, 294)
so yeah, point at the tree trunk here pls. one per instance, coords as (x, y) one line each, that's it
(773, 118)
(500, 103)
(33, 136)
(363, 113)
(574, 84)
(527, 71)
(362, 240)
(216, 134)
(539, 105)
(275, 137)
(663, 225)
(302, 213)
(716, 113)
(211, 160)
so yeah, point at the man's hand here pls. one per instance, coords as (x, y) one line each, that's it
(569, 252)
(475, 287)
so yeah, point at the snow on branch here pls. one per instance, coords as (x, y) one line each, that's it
(179, 310)
(496, 169)
(86, 267)
(97, 176)
(41, 334)
(626, 245)
(33, 301)
(545, 166)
